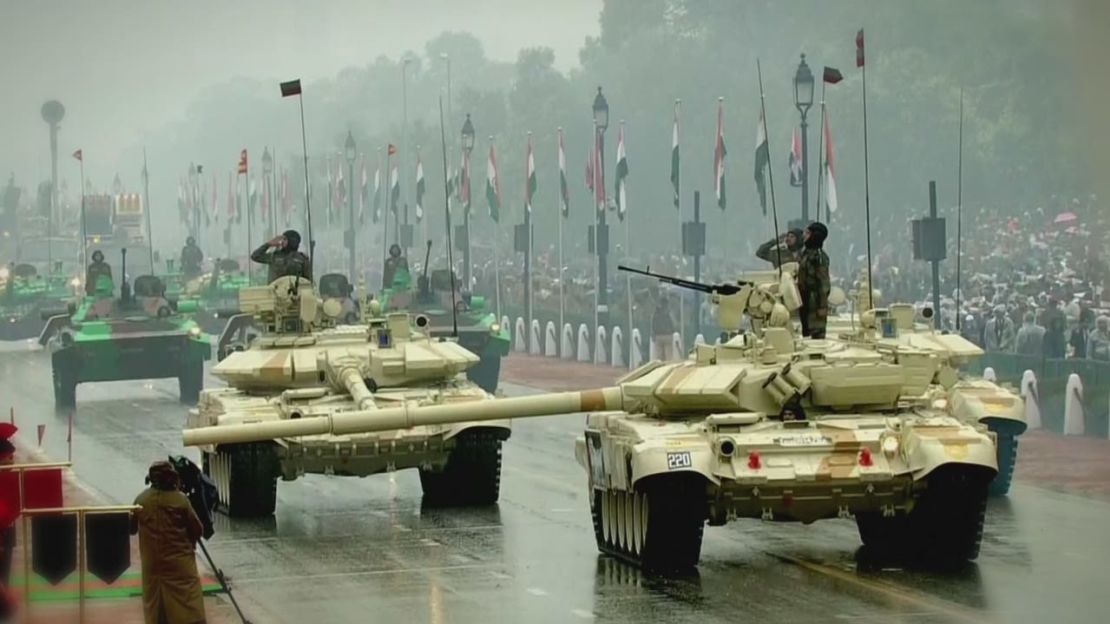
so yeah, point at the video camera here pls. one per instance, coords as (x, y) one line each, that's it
(199, 489)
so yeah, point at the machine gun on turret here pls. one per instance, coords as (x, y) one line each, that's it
(713, 289)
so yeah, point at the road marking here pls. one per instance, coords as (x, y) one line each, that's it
(582, 613)
(348, 573)
(536, 591)
(931, 603)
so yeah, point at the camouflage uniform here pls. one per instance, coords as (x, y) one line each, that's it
(93, 274)
(283, 262)
(813, 285)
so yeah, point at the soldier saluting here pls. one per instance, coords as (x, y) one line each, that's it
(813, 281)
(781, 250)
(280, 252)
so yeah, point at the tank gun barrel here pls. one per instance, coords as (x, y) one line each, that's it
(406, 416)
(718, 289)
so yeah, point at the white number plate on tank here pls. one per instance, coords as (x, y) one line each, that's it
(807, 439)
(679, 460)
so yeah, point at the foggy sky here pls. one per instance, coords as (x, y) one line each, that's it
(125, 68)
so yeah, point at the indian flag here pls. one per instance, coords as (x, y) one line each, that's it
(719, 155)
(622, 175)
(493, 186)
(395, 190)
(564, 190)
(675, 177)
(530, 184)
(419, 187)
(830, 183)
(762, 160)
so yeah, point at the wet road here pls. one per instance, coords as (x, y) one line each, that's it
(345, 550)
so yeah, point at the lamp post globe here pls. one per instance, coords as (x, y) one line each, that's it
(803, 100)
(467, 135)
(349, 148)
(601, 110)
(53, 112)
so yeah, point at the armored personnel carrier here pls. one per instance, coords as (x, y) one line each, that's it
(140, 335)
(308, 366)
(454, 311)
(765, 426)
(975, 400)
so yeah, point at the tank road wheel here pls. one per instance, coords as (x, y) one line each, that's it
(246, 478)
(658, 527)
(190, 382)
(1007, 461)
(65, 390)
(472, 475)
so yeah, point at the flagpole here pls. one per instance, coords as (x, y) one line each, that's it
(770, 170)
(307, 201)
(146, 203)
(627, 251)
(678, 211)
(447, 223)
(866, 179)
(598, 212)
(84, 224)
(820, 154)
(385, 219)
(959, 206)
(559, 218)
(247, 207)
(528, 247)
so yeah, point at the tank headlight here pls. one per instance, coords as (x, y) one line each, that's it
(194, 332)
(495, 328)
(940, 404)
(890, 445)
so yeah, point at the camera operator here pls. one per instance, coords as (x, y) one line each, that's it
(168, 531)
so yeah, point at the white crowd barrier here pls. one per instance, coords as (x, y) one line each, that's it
(989, 375)
(1073, 407)
(584, 343)
(616, 347)
(566, 350)
(520, 345)
(636, 353)
(601, 355)
(678, 350)
(699, 339)
(550, 344)
(534, 343)
(1032, 400)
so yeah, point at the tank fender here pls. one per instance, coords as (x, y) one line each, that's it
(986, 402)
(654, 458)
(926, 448)
(500, 428)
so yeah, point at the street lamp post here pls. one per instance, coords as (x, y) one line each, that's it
(467, 147)
(350, 152)
(601, 233)
(803, 100)
(52, 113)
(268, 170)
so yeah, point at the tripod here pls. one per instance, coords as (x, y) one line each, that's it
(223, 581)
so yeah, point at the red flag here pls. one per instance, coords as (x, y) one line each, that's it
(41, 432)
(392, 150)
(243, 161)
(599, 172)
(590, 169)
(79, 156)
(859, 48)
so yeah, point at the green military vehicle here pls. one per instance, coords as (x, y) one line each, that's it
(25, 294)
(139, 335)
(209, 292)
(450, 311)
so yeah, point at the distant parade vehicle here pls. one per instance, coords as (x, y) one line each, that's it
(478, 329)
(25, 294)
(211, 292)
(309, 364)
(140, 335)
(764, 426)
(976, 401)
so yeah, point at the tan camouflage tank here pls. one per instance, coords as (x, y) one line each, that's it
(305, 367)
(765, 426)
(975, 400)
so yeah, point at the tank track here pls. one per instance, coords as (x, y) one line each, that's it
(472, 475)
(658, 527)
(245, 477)
(1007, 462)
